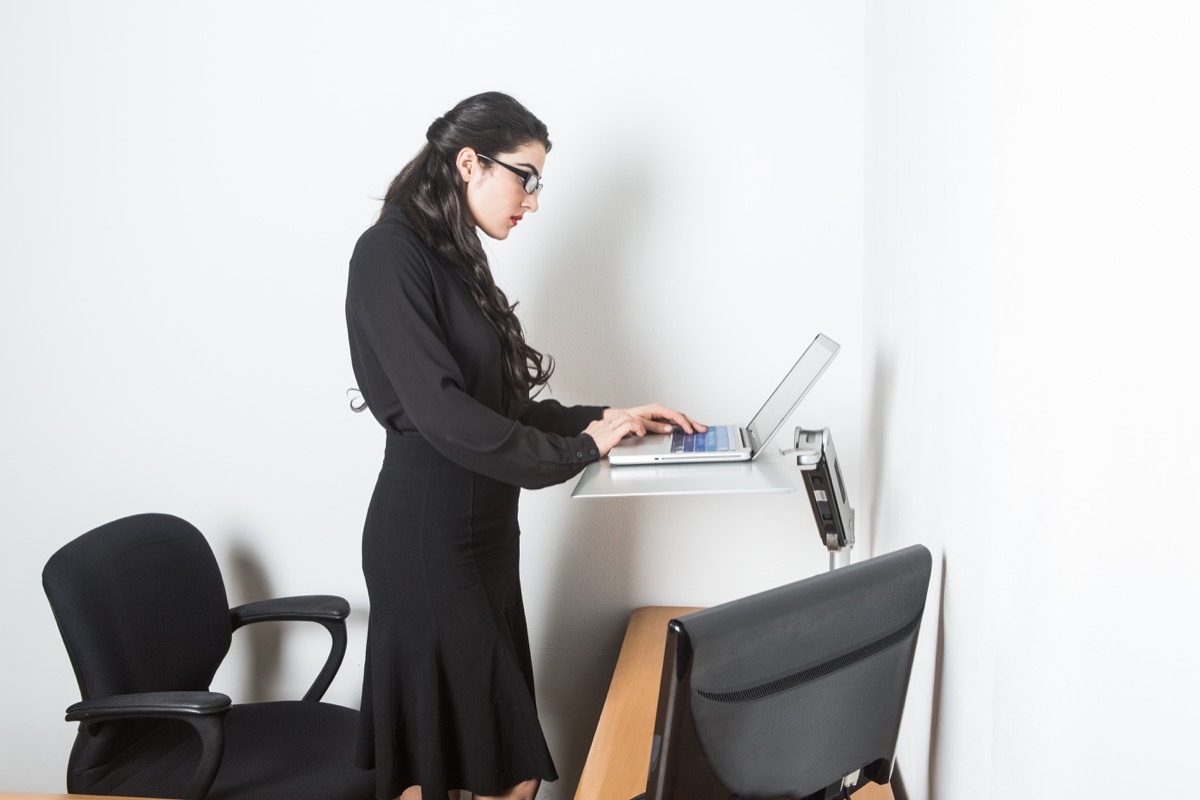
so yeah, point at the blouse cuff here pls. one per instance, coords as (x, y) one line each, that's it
(587, 450)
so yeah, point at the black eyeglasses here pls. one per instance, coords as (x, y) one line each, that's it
(531, 180)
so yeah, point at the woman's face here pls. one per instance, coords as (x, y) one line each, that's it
(496, 197)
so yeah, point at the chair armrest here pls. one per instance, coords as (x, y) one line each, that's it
(204, 711)
(149, 704)
(326, 610)
(305, 608)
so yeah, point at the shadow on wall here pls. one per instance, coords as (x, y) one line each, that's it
(593, 583)
(876, 442)
(899, 790)
(590, 590)
(883, 379)
(936, 703)
(247, 575)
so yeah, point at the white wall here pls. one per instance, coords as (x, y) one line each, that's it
(1030, 393)
(180, 189)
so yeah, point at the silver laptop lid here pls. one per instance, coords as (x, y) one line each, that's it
(802, 376)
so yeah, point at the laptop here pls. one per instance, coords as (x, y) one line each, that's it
(732, 442)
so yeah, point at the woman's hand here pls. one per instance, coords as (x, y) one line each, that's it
(617, 423)
(657, 418)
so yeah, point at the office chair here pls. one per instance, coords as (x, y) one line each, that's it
(143, 613)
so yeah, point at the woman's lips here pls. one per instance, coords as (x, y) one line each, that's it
(515, 220)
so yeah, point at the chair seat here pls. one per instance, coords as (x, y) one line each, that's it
(291, 749)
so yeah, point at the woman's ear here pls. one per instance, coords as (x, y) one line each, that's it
(467, 163)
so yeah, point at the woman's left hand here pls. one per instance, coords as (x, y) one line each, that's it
(657, 418)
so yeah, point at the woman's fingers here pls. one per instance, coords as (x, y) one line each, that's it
(659, 427)
(665, 418)
(617, 423)
(614, 427)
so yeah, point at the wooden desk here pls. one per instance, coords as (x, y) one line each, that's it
(620, 754)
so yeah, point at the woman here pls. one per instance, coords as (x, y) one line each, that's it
(442, 363)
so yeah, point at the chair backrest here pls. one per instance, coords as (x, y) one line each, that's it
(141, 606)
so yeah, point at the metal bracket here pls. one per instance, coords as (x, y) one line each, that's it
(816, 456)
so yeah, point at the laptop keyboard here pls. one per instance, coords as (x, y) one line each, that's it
(714, 440)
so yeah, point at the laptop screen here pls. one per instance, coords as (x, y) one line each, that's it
(802, 376)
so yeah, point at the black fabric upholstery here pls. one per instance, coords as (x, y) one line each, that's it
(293, 749)
(140, 603)
(141, 606)
(297, 750)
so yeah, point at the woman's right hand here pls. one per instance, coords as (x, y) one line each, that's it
(614, 427)
(617, 423)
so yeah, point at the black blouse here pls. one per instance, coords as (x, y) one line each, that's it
(427, 362)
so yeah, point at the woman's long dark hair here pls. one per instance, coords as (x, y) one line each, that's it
(430, 191)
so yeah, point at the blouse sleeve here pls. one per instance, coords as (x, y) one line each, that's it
(552, 416)
(390, 297)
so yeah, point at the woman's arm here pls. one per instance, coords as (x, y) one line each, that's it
(391, 309)
(552, 416)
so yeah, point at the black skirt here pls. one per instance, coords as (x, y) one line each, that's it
(448, 699)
